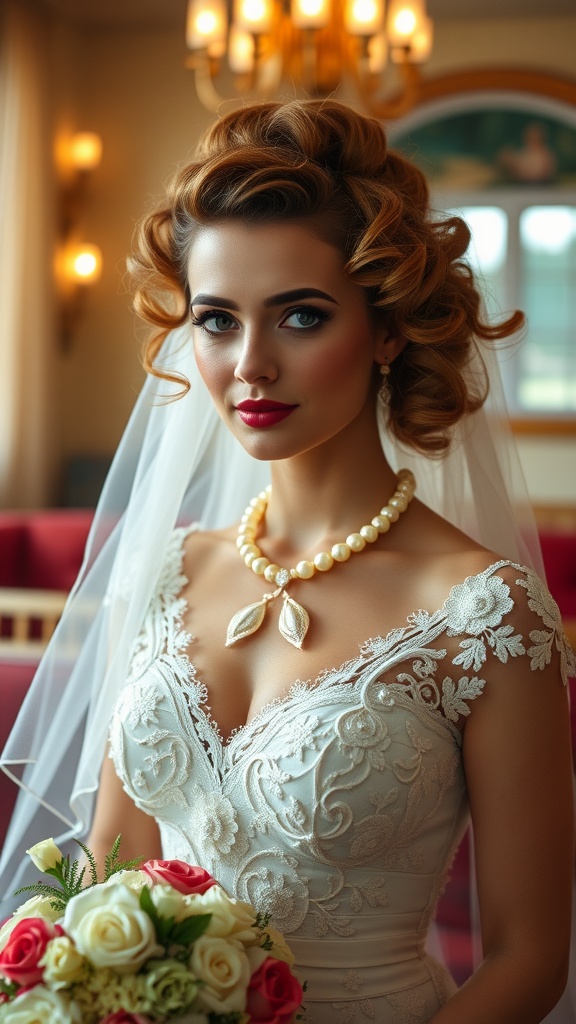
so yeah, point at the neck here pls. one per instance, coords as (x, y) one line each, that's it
(321, 496)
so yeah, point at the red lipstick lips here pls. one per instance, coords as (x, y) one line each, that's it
(262, 412)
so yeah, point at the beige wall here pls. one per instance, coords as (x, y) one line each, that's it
(132, 88)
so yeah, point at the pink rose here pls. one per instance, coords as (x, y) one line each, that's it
(274, 994)
(185, 878)
(123, 1017)
(19, 960)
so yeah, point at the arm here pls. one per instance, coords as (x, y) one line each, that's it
(117, 813)
(519, 777)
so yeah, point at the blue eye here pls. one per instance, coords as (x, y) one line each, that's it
(305, 318)
(214, 322)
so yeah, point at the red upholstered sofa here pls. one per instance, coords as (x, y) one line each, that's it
(44, 550)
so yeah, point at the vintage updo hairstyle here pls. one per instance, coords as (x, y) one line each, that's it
(323, 161)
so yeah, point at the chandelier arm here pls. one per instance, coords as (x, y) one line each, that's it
(399, 103)
(205, 88)
(269, 75)
(264, 81)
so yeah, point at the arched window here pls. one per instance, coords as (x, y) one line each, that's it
(506, 162)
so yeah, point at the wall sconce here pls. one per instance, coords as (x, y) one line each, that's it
(78, 264)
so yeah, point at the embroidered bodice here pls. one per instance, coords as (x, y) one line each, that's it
(339, 807)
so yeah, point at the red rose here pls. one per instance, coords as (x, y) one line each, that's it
(274, 994)
(123, 1017)
(25, 948)
(185, 878)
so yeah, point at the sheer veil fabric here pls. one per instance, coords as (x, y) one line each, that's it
(177, 464)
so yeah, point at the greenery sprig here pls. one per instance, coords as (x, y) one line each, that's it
(70, 876)
(169, 931)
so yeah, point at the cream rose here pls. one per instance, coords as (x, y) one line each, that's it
(280, 948)
(109, 928)
(45, 855)
(39, 1005)
(168, 902)
(229, 916)
(224, 968)
(62, 963)
(38, 906)
(135, 880)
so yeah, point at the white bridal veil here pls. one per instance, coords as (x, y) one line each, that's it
(177, 463)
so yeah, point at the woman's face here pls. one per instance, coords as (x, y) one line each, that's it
(283, 339)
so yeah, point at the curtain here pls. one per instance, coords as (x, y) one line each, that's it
(27, 306)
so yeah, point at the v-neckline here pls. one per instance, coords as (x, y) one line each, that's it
(178, 605)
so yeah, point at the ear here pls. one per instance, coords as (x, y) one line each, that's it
(388, 346)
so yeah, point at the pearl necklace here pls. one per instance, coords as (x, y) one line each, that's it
(294, 619)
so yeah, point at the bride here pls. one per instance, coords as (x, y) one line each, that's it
(312, 701)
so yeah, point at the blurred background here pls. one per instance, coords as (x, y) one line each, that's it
(99, 104)
(101, 101)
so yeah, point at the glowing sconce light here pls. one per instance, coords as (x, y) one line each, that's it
(79, 264)
(85, 151)
(85, 264)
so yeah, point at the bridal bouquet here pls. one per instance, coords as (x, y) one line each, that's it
(154, 942)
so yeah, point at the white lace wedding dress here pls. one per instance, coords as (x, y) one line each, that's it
(339, 807)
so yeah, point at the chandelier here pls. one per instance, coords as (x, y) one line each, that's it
(250, 47)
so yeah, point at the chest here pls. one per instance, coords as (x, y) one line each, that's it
(346, 607)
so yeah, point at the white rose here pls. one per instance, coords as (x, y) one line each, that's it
(168, 902)
(41, 1006)
(38, 906)
(62, 963)
(45, 855)
(110, 929)
(229, 916)
(224, 968)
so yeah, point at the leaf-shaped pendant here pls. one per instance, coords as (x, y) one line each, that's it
(245, 622)
(294, 621)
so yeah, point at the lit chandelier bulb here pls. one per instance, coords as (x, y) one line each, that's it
(363, 17)
(206, 25)
(310, 14)
(254, 15)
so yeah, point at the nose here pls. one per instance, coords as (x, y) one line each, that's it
(255, 360)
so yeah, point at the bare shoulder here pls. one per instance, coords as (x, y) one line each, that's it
(206, 548)
(441, 555)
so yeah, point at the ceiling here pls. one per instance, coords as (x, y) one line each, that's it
(172, 13)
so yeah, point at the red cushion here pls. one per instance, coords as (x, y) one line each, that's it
(42, 549)
(55, 548)
(12, 549)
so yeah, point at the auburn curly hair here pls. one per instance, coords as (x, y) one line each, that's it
(323, 161)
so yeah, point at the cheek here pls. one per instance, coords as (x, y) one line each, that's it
(344, 366)
(212, 367)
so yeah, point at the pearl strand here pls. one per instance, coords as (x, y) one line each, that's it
(324, 560)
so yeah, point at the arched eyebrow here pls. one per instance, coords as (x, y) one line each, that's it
(296, 295)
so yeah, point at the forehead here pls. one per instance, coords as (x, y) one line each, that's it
(263, 258)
